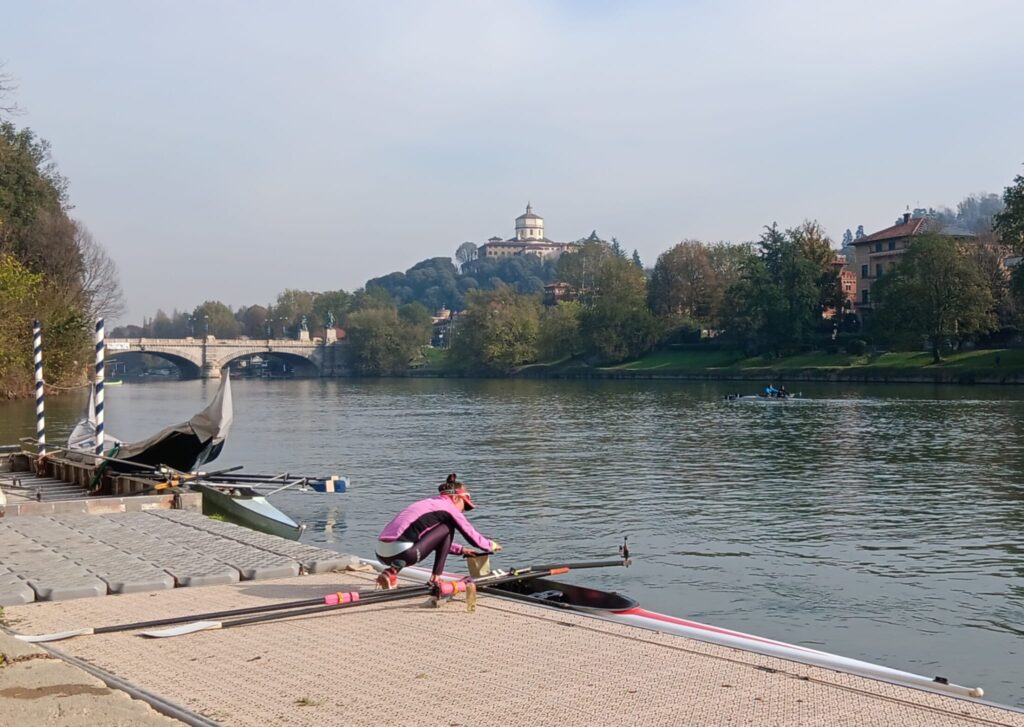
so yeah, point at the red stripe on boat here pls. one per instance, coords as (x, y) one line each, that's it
(643, 613)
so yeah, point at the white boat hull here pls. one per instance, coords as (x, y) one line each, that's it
(653, 621)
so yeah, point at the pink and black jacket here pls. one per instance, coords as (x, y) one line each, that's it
(414, 522)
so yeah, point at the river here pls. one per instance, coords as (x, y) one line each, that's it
(878, 522)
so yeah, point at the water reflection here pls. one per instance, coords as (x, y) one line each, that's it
(881, 522)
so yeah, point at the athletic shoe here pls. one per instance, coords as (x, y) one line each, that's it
(388, 579)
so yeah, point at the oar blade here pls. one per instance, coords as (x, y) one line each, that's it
(59, 636)
(182, 630)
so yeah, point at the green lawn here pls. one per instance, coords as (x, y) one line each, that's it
(1009, 361)
(680, 360)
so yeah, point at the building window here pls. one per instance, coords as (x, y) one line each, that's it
(878, 247)
(892, 244)
(863, 271)
(878, 270)
(865, 296)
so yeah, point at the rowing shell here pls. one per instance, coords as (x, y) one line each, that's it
(624, 610)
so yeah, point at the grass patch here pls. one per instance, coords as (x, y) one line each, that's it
(680, 360)
(993, 362)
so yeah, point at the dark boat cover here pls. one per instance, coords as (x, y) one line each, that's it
(182, 447)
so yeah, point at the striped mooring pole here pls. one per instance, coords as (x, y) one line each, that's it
(100, 351)
(37, 357)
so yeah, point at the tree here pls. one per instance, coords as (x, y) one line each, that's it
(1009, 223)
(467, 252)
(336, 302)
(381, 343)
(215, 319)
(372, 296)
(37, 234)
(559, 335)
(616, 325)
(497, 332)
(580, 269)
(777, 303)
(815, 245)
(617, 249)
(7, 88)
(100, 290)
(847, 238)
(684, 284)
(19, 291)
(937, 291)
(860, 232)
(636, 259)
(253, 320)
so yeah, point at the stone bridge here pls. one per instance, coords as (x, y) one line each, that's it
(205, 357)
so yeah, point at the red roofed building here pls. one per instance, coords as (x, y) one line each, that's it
(878, 253)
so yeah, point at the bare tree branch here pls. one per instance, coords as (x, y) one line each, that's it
(101, 288)
(7, 88)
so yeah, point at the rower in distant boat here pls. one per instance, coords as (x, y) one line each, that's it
(429, 526)
(770, 391)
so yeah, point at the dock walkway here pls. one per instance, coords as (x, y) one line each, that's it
(508, 663)
(60, 557)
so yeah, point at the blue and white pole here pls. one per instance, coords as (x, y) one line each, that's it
(100, 355)
(37, 357)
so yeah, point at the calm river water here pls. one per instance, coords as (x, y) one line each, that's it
(878, 522)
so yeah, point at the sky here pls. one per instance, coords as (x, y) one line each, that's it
(230, 150)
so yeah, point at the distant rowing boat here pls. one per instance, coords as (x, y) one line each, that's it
(762, 397)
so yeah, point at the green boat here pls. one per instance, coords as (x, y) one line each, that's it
(243, 505)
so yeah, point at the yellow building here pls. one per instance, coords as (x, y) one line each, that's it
(877, 254)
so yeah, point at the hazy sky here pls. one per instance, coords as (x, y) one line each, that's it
(233, 149)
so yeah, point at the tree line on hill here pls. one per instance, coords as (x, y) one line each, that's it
(51, 267)
(779, 295)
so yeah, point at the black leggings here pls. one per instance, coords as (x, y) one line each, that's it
(437, 540)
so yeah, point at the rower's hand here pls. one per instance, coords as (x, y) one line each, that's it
(469, 553)
(495, 546)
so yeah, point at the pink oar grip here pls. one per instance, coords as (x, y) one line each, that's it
(333, 599)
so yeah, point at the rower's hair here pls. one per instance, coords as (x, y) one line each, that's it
(450, 485)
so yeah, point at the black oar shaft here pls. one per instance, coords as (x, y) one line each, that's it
(206, 616)
(583, 564)
(370, 597)
(382, 597)
(424, 590)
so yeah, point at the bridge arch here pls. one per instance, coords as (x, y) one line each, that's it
(188, 368)
(304, 364)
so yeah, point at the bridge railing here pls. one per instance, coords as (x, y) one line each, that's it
(236, 342)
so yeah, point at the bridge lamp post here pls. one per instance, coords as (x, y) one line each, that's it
(206, 322)
(192, 326)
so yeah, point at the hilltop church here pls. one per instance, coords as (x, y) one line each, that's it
(529, 240)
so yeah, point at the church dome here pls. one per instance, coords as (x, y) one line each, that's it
(529, 226)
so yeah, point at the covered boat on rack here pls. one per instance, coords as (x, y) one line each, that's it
(182, 447)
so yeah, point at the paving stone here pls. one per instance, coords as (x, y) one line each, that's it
(65, 588)
(313, 559)
(16, 593)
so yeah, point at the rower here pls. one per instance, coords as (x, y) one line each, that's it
(429, 526)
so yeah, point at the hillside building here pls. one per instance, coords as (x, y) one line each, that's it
(529, 240)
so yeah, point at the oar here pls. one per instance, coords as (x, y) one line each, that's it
(444, 588)
(329, 600)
